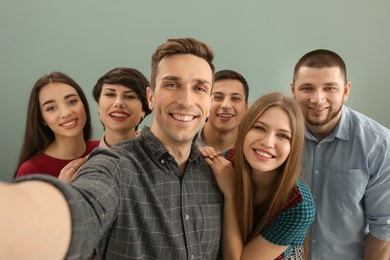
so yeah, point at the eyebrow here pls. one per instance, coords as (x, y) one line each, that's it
(230, 94)
(282, 130)
(175, 78)
(113, 89)
(52, 100)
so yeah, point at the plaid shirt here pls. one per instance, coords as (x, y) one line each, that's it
(131, 202)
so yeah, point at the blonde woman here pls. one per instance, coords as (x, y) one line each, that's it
(267, 208)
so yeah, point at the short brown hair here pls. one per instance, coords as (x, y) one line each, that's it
(231, 74)
(180, 46)
(319, 59)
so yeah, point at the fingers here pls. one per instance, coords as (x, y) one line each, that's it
(69, 172)
(208, 151)
(75, 168)
(219, 165)
(224, 174)
(76, 164)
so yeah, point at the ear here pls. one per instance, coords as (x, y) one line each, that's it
(347, 88)
(246, 106)
(292, 89)
(150, 96)
(211, 101)
(44, 123)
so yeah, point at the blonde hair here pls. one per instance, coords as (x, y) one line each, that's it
(288, 172)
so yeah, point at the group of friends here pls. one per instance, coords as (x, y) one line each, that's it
(287, 177)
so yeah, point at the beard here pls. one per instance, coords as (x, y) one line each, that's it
(317, 122)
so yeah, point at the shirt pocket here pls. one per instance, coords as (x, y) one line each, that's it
(348, 185)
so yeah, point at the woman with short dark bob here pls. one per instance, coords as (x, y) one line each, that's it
(58, 126)
(122, 103)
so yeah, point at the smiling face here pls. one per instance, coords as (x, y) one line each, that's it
(62, 110)
(120, 109)
(181, 99)
(321, 94)
(229, 105)
(267, 144)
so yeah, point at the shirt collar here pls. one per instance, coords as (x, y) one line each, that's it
(103, 143)
(157, 150)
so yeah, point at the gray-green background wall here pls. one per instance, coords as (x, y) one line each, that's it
(261, 39)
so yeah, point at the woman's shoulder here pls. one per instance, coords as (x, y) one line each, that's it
(91, 144)
(300, 199)
(229, 154)
(35, 164)
(304, 191)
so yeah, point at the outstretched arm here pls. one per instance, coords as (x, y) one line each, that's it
(35, 221)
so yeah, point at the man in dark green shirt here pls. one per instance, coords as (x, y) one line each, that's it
(152, 197)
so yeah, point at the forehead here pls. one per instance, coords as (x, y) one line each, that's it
(319, 74)
(228, 87)
(56, 90)
(275, 117)
(184, 66)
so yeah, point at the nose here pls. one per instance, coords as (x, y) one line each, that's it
(226, 103)
(268, 141)
(118, 103)
(65, 111)
(317, 97)
(185, 97)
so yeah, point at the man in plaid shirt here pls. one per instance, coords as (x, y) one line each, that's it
(152, 197)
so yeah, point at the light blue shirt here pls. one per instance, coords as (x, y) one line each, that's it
(349, 176)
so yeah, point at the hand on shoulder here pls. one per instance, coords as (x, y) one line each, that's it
(69, 172)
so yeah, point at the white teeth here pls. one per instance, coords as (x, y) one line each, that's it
(226, 116)
(183, 118)
(69, 123)
(118, 115)
(266, 155)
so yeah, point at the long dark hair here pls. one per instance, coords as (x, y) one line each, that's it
(37, 136)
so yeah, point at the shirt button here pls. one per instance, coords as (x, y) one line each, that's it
(162, 161)
(316, 172)
(315, 196)
(313, 241)
(192, 256)
(187, 217)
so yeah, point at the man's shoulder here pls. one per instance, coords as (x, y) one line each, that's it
(131, 148)
(362, 123)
